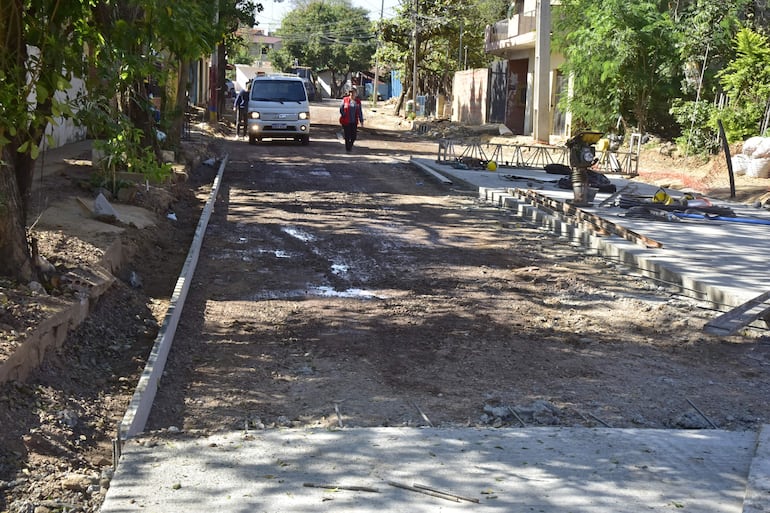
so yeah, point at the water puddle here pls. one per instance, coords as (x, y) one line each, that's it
(298, 234)
(320, 291)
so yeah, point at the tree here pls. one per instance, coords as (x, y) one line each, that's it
(54, 31)
(746, 80)
(622, 57)
(444, 31)
(705, 48)
(127, 42)
(326, 35)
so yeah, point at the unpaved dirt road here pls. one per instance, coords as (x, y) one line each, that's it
(338, 289)
(351, 289)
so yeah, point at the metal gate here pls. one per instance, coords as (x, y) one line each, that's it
(497, 91)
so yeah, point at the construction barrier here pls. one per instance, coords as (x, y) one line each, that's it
(451, 151)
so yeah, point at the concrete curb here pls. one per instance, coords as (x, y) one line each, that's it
(757, 497)
(138, 410)
(613, 247)
(697, 285)
(441, 178)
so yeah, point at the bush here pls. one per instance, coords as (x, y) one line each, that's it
(699, 134)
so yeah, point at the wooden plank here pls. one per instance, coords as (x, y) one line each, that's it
(739, 317)
(629, 187)
(554, 208)
(600, 226)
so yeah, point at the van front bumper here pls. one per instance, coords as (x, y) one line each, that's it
(276, 129)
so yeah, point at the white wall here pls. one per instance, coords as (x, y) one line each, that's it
(66, 131)
(244, 73)
(63, 131)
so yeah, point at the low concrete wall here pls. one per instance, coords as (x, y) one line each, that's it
(52, 331)
(90, 284)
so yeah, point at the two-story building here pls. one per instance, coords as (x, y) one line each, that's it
(533, 84)
(260, 43)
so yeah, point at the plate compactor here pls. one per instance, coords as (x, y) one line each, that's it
(582, 155)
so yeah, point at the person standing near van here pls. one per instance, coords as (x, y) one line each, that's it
(351, 114)
(241, 106)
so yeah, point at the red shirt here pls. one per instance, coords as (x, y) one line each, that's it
(351, 113)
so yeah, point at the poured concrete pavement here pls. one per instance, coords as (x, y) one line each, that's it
(577, 470)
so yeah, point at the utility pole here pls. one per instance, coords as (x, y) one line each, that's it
(214, 79)
(416, 44)
(460, 48)
(377, 54)
(541, 114)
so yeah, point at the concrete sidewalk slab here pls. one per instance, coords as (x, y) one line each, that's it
(548, 470)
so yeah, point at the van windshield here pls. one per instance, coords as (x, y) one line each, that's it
(278, 91)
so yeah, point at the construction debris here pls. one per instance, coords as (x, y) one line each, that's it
(341, 487)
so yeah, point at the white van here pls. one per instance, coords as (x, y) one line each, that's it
(278, 109)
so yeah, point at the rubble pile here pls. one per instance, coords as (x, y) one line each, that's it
(754, 159)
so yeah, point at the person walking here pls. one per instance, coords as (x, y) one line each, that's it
(351, 115)
(241, 106)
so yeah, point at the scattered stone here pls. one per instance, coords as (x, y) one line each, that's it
(256, 423)
(135, 280)
(103, 210)
(539, 412)
(167, 156)
(690, 420)
(500, 412)
(76, 482)
(127, 194)
(68, 418)
(37, 288)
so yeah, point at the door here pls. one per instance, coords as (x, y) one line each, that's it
(516, 98)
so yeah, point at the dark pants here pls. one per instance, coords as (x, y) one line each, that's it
(240, 121)
(351, 132)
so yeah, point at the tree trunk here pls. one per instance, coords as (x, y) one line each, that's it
(337, 87)
(179, 107)
(15, 257)
(221, 89)
(405, 93)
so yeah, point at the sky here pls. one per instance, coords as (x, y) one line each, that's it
(274, 11)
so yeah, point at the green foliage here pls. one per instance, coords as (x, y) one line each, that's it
(326, 35)
(698, 136)
(451, 38)
(121, 145)
(122, 150)
(239, 52)
(746, 80)
(622, 56)
(37, 59)
(707, 29)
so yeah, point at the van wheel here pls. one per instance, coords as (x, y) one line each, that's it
(305, 140)
(252, 139)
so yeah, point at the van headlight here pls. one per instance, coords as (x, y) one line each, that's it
(304, 115)
(254, 115)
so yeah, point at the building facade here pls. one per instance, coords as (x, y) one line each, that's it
(532, 82)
